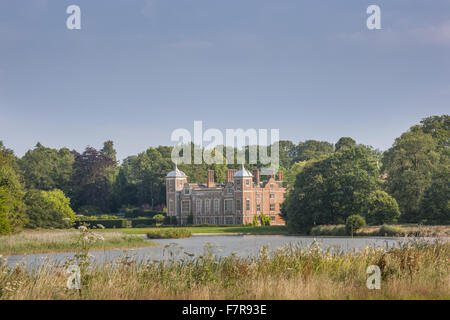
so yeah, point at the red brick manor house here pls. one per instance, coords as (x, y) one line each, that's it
(236, 202)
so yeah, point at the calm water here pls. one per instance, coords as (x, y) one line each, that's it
(243, 246)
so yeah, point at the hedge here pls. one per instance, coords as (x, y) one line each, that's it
(110, 224)
(143, 213)
(135, 223)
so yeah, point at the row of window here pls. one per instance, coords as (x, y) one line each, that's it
(218, 220)
(228, 203)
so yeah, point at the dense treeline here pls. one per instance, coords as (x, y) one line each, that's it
(407, 183)
(327, 182)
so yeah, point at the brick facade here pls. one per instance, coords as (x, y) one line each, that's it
(236, 202)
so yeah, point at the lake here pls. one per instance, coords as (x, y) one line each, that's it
(243, 246)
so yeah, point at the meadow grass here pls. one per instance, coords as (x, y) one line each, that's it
(213, 229)
(45, 241)
(416, 270)
(398, 230)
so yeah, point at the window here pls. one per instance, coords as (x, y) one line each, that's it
(186, 191)
(258, 196)
(186, 206)
(258, 207)
(247, 204)
(272, 218)
(199, 206)
(171, 183)
(180, 183)
(272, 196)
(271, 186)
(247, 183)
(171, 207)
(216, 205)
(272, 207)
(238, 204)
(228, 205)
(228, 220)
(207, 205)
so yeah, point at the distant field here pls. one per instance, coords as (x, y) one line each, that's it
(224, 230)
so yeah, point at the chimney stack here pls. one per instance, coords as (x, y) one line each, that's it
(280, 175)
(211, 183)
(230, 175)
(256, 178)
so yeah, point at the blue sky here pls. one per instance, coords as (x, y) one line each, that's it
(138, 69)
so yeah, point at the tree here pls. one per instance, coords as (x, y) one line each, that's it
(435, 203)
(49, 209)
(354, 223)
(328, 191)
(92, 179)
(381, 208)
(312, 149)
(409, 165)
(46, 169)
(344, 142)
(12, 213)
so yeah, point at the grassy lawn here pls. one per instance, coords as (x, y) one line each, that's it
(223, 230)
(45, 241)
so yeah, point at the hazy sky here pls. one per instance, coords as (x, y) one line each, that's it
(138, 69)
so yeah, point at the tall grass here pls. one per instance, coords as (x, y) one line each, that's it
(416, 270)
(402, 230)
(63, 240)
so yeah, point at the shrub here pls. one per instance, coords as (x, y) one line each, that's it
(110, 224)
(255, 221)
(381, 208)
(265, 220)
(159, 218)
(49, 209)
(169, 233)
(354, 223)
(136, 212)
(140, 222)
(329, 230)
(389, 231)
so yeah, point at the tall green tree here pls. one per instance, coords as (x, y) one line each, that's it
(328, 191)
(409, 165)
(435, 203)
(312, 149)
(46, 168)
(12, 209)
(92, 179)
(344, 142)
